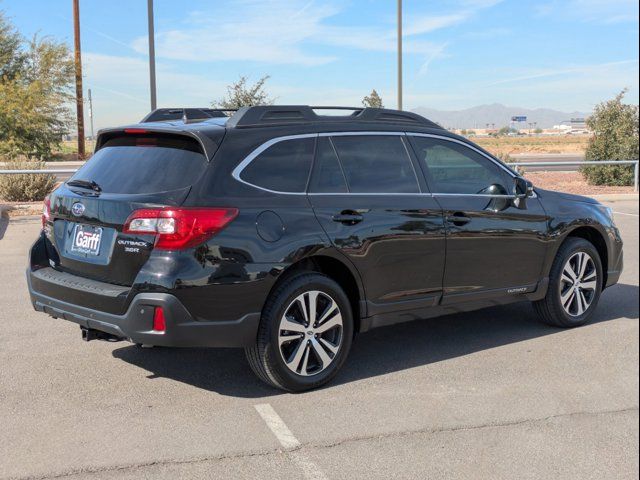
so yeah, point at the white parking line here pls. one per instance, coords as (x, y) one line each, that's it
(623, 213)
(277, 426)
(289, 442)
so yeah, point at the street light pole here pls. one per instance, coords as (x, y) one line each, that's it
(399, 54)
(152, 55)
(78, 65)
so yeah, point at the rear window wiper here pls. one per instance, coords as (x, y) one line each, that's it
(90, 184)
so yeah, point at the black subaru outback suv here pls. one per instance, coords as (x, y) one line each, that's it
(286, 231)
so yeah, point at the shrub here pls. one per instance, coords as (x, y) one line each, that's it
(505, 157)
(611, 175)
(615, 137)
(25, 187)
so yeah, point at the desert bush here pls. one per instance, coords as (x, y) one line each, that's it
(505, 157)
(615, 137)
(25, 187)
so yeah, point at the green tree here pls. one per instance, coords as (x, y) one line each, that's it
(615, 137)
(242, 94)
(11, 55)
(373, 100)
(35, 94)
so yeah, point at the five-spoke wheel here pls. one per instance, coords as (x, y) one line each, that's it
(575, 283)
(305, 333)
(310, 333)
(578, 284)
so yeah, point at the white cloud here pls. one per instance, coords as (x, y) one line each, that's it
(418, 25)
(283, 32)
(564, 71)
(120, 86)
(251, 31)
(592, 11)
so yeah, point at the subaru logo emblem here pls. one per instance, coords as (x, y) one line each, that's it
(77, 209)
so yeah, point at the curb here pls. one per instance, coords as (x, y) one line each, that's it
(25, 209)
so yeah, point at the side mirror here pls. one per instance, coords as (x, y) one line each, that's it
(522, 188)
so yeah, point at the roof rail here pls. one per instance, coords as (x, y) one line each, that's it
(266, 115)
(187, 115)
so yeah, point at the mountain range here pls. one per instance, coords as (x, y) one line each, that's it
(497, 114)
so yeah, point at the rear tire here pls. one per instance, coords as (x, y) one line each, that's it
(575, 284)
(305, 333)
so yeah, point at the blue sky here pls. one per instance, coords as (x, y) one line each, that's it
(562, 54)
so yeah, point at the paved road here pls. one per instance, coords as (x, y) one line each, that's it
(490, 394)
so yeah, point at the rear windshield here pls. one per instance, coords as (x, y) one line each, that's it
(144, 164)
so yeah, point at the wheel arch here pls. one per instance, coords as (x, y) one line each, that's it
(597, 239)
(338, 270)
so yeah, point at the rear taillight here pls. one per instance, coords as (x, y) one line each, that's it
(178, 228)
(46, 211)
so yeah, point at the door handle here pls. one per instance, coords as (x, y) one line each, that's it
(348, 217)
(458, 219)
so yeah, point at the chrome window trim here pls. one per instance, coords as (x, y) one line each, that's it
(249, 158)
(353, 134)
(243, 164)
(236, 173)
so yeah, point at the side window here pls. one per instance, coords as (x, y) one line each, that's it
(376, 164)
(454, 168)
(327, 176)
(283, 167)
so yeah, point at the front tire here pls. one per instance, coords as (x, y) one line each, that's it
(305, 333)
(575, 285)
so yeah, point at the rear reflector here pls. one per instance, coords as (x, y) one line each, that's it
(159, 325)
(179, 228)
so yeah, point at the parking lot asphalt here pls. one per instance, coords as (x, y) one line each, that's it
(488, 394)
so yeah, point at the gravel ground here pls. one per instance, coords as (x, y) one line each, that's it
(571, 182)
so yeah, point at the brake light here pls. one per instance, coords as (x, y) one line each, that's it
(135, 131)
(179, 228)
(46, 211)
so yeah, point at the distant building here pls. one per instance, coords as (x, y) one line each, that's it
(573, 126)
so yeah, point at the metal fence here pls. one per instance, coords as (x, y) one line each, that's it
(515, 166)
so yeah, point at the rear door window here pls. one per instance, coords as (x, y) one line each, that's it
(376, 164)
(327, 176)
(145, 164)
(282, 167)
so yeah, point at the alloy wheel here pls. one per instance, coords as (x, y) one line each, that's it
(310, 333)
(578, 284)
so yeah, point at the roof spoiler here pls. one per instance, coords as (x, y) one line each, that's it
(187, 115)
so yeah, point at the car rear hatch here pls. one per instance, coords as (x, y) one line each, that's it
(132, 169)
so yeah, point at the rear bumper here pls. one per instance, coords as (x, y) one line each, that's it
(182, 330)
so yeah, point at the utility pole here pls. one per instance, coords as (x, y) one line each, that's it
(152, 55)
(399, 54)
(78, 63)
(93, 138)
